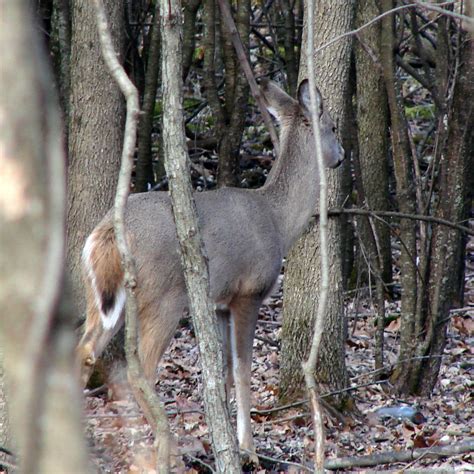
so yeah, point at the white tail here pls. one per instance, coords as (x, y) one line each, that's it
(246, 234)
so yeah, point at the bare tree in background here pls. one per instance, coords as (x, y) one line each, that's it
(42, 391)
(370, 163)
(230, 115)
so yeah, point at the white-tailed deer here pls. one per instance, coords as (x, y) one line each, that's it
(246, 235)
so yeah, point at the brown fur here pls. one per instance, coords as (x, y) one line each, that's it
(246, 234)
(105, 259)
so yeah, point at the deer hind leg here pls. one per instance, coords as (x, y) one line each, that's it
(105, 294)
(158, 321)
(242, 328)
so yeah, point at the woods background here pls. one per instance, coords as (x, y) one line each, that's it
(400, 92)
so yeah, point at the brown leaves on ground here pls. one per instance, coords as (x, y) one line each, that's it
(121, 440)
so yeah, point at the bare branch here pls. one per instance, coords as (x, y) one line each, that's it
(309, 365)
(400, 215)
(144, 393)
(427, 6)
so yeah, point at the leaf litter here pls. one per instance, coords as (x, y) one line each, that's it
(121, 441)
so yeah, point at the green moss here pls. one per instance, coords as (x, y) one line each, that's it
(426, 111)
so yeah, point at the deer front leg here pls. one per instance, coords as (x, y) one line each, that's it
(242, 328)
(223, 318)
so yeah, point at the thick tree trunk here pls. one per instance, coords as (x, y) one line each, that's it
(371, 166)
(302, 277)
(35, 330)
(96, 120)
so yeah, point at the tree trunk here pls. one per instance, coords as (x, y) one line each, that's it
(36, 334)
(96, 121)
(230, 116)
(144, 176)
(372, 121)
(5, 438)
(302, 277)
(404, 176)
(448, 245)
(194, 263)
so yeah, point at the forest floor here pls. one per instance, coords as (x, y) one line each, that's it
(121, 440)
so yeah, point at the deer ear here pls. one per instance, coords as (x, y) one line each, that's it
(277, 101)
(305, 99)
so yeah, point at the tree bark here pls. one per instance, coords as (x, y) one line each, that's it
(372, 122)
(144, 176)
(194, 264)
(448, 245)
(96, 120)
(404, 176)
(5, 437)
(43, 393)
(302, 277)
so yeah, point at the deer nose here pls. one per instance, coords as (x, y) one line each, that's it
(340, 157)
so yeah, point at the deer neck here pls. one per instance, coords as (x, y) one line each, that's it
(292, 186)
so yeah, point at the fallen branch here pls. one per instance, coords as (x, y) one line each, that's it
(390, 457)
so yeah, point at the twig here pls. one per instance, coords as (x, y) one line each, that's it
(245, 65)
(200, 461)
(298, 403)
(96, 391)
(437, 8)
(268, 341)
(417, 217)
(268, 411)
(280, 461)
(399, 456)
(269, 323)
(390, 12)
(144, 393)
(285, 419)
(462, 310)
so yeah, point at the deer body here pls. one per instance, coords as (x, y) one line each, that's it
(246, 234)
